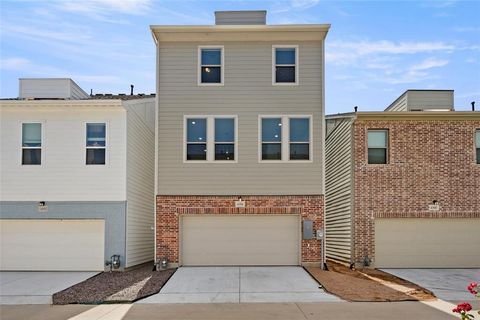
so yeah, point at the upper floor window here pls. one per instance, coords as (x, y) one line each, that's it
(377, 146)
(477, 143)
(31, 143)
(285, 138)
(285, 64)
(211, 138)
(210, 65)
(96, 143)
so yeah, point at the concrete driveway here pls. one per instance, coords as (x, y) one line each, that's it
(240, 284)
(446, 284)
(36, 287)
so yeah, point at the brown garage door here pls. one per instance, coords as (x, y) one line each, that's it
(427, 243)
(224, 240)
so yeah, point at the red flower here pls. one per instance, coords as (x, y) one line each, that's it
(473, 288)
(462, 307)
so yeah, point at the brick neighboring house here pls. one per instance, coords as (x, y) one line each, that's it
(240, 139)
(403, 186)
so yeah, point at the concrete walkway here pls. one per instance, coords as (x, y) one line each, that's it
(279, 311)
(446, 284)
(36, 287)
(240, 284)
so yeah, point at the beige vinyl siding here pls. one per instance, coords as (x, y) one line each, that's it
(399, 105)
(140, 181)
(430, 100)
(338, 181)
(247, 92)
(240, 17)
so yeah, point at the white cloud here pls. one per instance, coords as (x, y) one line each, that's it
(105, 6)
(304, 4)
(429, 63)
(439, 3)
(27, 67)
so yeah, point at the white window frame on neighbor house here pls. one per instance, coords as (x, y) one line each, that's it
(107, 143)
(387, 146)
(285, 141)
(274, 65)
(42, 148)
(210, 136)
(477, 145)
(199, 65)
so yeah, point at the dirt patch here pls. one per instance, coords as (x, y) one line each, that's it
(115, 287)
(367, 285)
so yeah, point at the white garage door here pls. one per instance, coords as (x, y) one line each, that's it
(224, 240)
(427, 243)
(74, 245)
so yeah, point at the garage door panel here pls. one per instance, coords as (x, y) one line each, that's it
(240, 240)
(427, 243)
(52, 245)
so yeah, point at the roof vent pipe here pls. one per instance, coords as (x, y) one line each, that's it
(355, 108)
(473, 105)
(131, 89)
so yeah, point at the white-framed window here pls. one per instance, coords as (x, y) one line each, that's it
(377, 141)
(285, 138)
(477, 145)
(212, 138)
(285, 65)
(32, 143)
(211, 65)
(96, 143)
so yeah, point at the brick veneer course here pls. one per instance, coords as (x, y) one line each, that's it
(310, 207)
(428, 160)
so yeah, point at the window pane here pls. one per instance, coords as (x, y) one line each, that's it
(377, 139)
(477, 138)
(272, 129)
(211, 57)
(31, 135)
(271, 151)
(96, 156)
(377, 156)
(31, 156)
(299, 130)
(211, 75)
(285, 56)
(197, 151)
(478, 155)
(224, 130)
(299, 151)
(285, 74)
(196, 130)
(96, 134)
(224, 151)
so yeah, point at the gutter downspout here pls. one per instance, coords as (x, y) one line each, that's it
(324, 240)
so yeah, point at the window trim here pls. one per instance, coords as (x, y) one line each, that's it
(387, 147)
(42, 145)
(475, 147)
(210, 138)
(285, 142)
(199, 65)
(274, 64)
(107, 143)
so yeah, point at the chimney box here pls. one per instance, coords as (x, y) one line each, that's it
(258, 17)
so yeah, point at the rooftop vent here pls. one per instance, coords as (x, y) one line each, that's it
(257, 17)
(50, 88)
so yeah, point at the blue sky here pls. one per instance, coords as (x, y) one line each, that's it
(375, 50)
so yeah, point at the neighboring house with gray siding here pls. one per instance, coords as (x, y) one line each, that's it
(76, 178)
(402, 185)
(240, 131)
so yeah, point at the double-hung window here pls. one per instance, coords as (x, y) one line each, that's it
(31, 143)
(210, 69)
(285, 64)
(477, 144)
(377, 146)
(211, 138)
(96, 143)
(285, 138)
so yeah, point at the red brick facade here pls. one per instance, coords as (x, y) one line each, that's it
(427, 160)
(169, 208)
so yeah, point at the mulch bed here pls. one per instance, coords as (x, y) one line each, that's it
(115, 287)
(358, 285)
